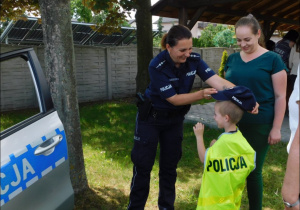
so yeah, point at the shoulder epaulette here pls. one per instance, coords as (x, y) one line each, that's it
(160, 64)
(195, 56)
(159, 61)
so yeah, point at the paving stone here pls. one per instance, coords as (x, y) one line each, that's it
(205, 114)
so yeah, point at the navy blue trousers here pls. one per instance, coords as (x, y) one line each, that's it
(168, 132)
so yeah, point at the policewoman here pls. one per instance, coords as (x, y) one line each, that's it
(161, 114)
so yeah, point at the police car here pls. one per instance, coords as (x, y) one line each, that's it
(34, 157)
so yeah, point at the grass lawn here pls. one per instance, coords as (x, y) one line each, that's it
(107, 135)
(107, 131)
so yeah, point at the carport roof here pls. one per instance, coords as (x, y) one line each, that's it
(279, 14)
(30, 32)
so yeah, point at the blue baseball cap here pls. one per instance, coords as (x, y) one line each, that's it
(242, 96)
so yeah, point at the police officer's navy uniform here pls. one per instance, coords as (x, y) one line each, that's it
(164, 124)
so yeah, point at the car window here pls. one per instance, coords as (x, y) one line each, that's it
(18, 96)
(34, 155)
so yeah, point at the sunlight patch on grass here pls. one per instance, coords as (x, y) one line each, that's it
(275, 168)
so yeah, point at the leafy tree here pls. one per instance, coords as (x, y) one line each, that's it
(207, 35)
(156, 41)
(80, 12)
(110, 14)
(13, 10)
(157, 38)
(160, 27)
(196, 42)
(224, 38)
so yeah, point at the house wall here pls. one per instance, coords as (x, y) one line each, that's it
(102, 73)
(196, 32)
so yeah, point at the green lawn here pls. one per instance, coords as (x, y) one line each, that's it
(107, 132)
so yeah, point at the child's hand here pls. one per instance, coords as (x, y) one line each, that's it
(198, 129)
(212, 142)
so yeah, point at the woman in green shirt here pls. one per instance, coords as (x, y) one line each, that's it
(264, 73)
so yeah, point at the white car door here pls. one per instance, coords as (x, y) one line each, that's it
(34, 157)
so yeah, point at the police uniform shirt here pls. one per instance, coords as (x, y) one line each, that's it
(168, 80)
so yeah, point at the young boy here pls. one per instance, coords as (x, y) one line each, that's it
(229, 160)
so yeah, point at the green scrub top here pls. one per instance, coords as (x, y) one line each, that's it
(257, 76)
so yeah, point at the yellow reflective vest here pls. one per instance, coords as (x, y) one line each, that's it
(226, 166)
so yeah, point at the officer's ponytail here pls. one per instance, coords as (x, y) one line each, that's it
(163, 41)
(176, 33)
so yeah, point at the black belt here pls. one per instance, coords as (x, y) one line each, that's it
(169, 114)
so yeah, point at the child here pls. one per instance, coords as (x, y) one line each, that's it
(230, 159)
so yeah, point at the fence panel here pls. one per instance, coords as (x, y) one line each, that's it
(101, 72)
(91, 75)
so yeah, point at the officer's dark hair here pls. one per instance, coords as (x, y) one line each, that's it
(234, 112)
(176, 33)
(252, 22)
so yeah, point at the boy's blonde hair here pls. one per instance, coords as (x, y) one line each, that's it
(234, 112)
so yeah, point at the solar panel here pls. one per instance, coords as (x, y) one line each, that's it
(30, 32)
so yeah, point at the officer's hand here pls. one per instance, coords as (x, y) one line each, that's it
(207, 92)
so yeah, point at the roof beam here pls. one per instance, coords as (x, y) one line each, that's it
(196, 17)
(183, 16)
(268, 30)
(218, 10)
(280, 12)
(199, 3)
(268, 6)
(156, 8)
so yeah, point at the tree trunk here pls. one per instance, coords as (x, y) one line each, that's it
(144, 43)
(60, 73)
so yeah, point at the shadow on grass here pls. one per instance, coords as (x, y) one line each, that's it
(109, 126)
(103, 198)
(190, 167)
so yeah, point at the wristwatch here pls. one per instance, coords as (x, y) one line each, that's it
(287, 204)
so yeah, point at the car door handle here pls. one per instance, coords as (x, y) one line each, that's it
(47, 147)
